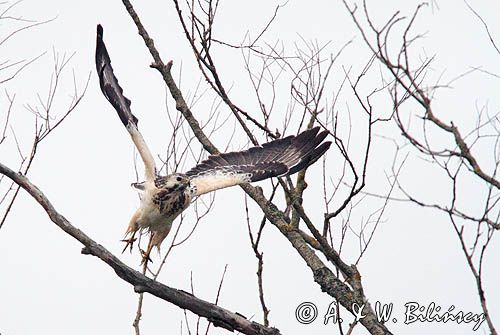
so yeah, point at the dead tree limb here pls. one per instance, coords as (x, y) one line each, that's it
(220, 317)
(348, 296)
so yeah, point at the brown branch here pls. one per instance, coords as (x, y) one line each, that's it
(409, 80)
(206, 63)
(220, 317)
(465, 152)
(138, 315)
(476, 273)
(485, 25)
(260, 259)
(218, 296)
(411, 85)
(46, 128)
(165, 71)
(327, 280)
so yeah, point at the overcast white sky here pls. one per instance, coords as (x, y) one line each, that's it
(86, 166)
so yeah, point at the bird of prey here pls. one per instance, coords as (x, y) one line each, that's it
(165, 197)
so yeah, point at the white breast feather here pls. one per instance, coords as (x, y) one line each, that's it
(150, 214)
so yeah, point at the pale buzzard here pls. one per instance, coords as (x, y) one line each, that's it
(165, 197)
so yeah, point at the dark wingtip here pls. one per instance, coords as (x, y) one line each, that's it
(100, 31)
(311, 157)
(109, 84)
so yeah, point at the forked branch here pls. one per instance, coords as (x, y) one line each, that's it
(219, 317)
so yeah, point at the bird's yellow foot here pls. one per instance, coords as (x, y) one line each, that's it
(129, 243)
(145, 257)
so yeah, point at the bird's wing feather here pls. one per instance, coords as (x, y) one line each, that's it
(114, 93)
(277, 158)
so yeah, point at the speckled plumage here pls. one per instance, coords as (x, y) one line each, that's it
(165, 197)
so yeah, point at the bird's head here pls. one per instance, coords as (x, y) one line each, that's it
(175, 181)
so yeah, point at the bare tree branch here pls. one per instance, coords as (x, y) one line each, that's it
(485, 26)
(455, 160)
(218, 316)
(322, 274)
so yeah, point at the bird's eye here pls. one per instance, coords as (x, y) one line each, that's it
(178, 178)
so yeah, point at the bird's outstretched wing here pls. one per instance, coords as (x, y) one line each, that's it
(114, 93)
(277, 158)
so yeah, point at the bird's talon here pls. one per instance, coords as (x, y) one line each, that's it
(145, 257)
(129, 242)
